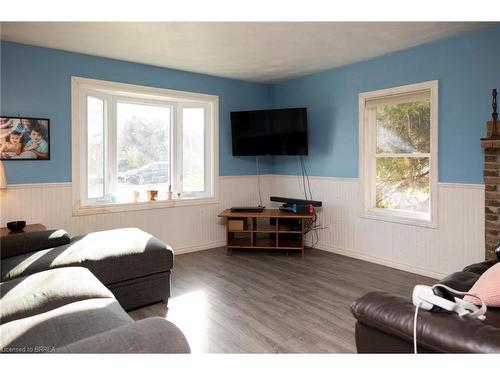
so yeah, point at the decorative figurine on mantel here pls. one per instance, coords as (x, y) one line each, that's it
(494, 133)
(494, 114)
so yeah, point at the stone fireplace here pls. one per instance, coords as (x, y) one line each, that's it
(492, 191)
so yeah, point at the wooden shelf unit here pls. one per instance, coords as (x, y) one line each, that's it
(270, 229)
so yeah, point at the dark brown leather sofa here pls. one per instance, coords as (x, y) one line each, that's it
(385, 322)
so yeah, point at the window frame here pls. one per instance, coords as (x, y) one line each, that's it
(114, 92)
(179, 139)
(367, 157)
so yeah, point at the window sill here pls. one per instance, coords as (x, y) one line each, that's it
(399, 217)
(107, 208)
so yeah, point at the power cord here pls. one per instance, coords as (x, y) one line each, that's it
(258, 181)
(312, 225)
(415, 328)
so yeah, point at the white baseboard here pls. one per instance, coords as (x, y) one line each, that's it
(381, 261)
(192, 249)
(330, 249)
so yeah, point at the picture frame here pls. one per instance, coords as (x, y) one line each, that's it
(24, 138)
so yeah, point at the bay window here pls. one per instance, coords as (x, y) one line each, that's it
(129, 139)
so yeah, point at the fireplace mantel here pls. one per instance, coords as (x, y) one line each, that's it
(490, 143)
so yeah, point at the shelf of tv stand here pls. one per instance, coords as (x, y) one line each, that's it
(266, 230)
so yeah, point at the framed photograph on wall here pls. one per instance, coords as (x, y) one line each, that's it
(24, 138)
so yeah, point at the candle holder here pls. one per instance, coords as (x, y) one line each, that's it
(169, 193)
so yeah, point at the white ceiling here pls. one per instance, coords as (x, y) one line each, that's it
(255, 51)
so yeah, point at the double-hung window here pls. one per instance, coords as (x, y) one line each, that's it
(398, 153)
(128, 140)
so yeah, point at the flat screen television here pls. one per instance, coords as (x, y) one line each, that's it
(269, 132)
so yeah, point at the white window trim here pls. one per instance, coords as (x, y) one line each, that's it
(366, 170)
(141, 92)
(206, 141)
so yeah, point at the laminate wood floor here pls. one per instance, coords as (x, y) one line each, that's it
(270, 302)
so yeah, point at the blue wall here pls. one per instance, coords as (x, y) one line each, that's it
(36, 82)
(467, 68)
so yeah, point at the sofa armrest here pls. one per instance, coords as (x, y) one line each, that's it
(436, 332)
(33, 241)
(152, 335)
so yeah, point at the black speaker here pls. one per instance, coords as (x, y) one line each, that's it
(296, 201)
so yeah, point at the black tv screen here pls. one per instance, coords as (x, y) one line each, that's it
(269, 132)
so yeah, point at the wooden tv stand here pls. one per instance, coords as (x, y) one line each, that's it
(271, 229)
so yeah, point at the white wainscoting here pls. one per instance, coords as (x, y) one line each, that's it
(457, 242)
(187, 228)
